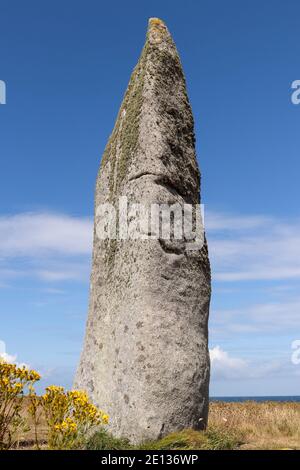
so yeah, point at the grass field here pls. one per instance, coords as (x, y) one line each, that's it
(247, 425)
(269, 425)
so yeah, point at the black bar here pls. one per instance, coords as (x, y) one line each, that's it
(138, 459)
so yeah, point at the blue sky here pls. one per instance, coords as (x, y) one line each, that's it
(66, 66)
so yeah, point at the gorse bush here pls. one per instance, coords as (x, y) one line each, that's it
(70, 416)
(14, 382)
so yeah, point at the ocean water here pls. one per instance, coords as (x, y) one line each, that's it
(295, 398)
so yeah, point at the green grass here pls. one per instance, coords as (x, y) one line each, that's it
(103, 440)
(221, 439)
(188, 439)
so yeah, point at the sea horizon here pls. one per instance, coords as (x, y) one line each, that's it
(262, 398)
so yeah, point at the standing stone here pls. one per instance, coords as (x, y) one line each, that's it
(145, 358)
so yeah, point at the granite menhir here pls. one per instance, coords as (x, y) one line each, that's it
(145, 358)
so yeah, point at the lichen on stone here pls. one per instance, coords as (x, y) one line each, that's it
(124, 139)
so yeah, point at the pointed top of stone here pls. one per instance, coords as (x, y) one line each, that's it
(157, 31)
(156, 22)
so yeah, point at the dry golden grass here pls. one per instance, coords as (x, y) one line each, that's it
(27, 436)
(267, 425)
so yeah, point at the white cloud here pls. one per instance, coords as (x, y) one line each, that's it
(71, 271)
(226, 367)
(9, 357)
(54, 291)
(224, 221)
(44, 246)
(253, 248)
(258, 317)
(259, 249)
(32, 234)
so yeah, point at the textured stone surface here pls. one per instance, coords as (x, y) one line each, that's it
(145, 357)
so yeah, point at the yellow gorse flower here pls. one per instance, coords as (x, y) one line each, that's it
(15, 381)
(69, 414)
